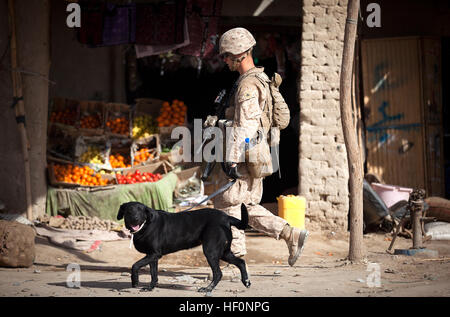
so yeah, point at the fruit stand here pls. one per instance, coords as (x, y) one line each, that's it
(103, 154)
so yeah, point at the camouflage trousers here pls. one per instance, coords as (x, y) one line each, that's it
(248, 191)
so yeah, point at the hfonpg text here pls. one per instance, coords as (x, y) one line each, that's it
(231, 306)
(246, 306)
(373, 19)
(374, 276)
(74, 278)
(73, 19)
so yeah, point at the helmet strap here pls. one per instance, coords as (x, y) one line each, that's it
(238, 60)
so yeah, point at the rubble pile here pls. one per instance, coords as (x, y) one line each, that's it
(82, 223)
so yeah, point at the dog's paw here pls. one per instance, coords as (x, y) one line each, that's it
(148, 288)
(247, 283)
(205, 290)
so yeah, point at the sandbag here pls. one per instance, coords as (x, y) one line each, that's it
(438, 208)
(438, 230)
(17, 248)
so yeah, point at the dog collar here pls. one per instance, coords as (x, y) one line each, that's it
(132, 235)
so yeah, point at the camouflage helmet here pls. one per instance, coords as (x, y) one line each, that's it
(236, 41)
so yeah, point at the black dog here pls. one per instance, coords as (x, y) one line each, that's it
(157, 233)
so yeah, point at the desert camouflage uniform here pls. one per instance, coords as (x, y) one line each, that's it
(245, 110)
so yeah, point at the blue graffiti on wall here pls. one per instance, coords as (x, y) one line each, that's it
(379, 129)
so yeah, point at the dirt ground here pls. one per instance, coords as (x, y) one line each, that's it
(322, 271)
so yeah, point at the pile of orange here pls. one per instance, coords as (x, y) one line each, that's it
(142, 156)
(172, 114)
(90, 122)
(82, 175)
(67, 116)
(119, 161)
(120, 125)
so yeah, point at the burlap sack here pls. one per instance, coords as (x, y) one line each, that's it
(439, 208)
(17, 248)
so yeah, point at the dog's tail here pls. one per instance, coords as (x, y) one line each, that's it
(243, 223)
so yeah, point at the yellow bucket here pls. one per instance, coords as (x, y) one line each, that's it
(292, 209)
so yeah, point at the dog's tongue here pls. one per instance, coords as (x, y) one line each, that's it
(135, 228)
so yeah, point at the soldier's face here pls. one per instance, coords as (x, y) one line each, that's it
(233, 61)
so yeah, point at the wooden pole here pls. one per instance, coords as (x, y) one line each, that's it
(355, 166)
(20, 109)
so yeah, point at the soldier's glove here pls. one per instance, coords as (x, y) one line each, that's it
(208, 169)
(231, 170)
(210, 121)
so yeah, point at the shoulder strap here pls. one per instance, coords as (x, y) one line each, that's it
(266, 109)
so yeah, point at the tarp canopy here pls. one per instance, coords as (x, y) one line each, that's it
(105, 202)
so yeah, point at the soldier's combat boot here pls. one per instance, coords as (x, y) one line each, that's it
(295, 239)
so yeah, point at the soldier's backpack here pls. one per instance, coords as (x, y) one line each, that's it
(276, 117)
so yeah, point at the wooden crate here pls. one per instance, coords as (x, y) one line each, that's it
(61, 143)
(115, 111)
(95, 109)
(82, 145)
(68, 106)
(57, 183)
(157, 167)
(149, 106)
(152, 144)
(123, 147)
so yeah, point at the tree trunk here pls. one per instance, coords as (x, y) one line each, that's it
(356, 252)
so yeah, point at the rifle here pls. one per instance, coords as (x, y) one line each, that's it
(220, 104)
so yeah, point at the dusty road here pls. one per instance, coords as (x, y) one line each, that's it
(320, 272)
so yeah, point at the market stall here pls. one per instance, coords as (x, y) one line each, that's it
(101, 155)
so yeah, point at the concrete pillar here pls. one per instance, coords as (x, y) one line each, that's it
(323, 170)
(32, 31)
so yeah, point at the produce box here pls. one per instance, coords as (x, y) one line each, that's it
(189, 183)
(149, 106)
(171, 115)
(64, 112)
(143, 125)
(120, 154)
(185, 174)
(146, 150)
(73, 175)
(118, 120)
(92, 118)
(158, 169)
(93, 151)
(61, 143)
(144, 116)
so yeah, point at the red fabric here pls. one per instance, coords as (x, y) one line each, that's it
(119, 24)
(160, 24)
(91, 30)
(202, 16)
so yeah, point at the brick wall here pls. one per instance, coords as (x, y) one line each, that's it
(323, 171)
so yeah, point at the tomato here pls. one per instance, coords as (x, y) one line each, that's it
(137, 177)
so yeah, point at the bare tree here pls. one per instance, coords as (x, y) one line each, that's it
(356, 252)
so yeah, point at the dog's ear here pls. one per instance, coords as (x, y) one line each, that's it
(150, 214)
(120, 213)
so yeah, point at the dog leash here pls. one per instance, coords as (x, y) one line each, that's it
(217, 192)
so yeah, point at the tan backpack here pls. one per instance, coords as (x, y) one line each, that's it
(276, 114)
